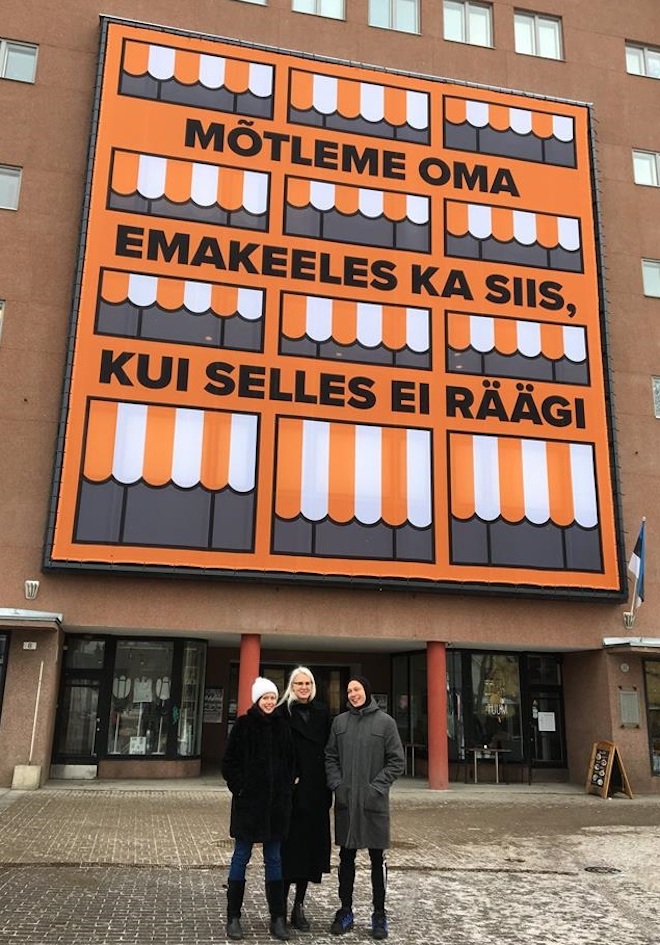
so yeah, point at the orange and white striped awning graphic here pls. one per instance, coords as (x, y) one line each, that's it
(329, 95)
(503, 224)
(207, 185)
(484, 333)
(350, 200)
(349, 472)
(537, 480)
(176, 294)
(190, 68)
(133, 442)
(522, 121)
(347, 321)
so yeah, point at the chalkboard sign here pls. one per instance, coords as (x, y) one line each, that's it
(606, 775)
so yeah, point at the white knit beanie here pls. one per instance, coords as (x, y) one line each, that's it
(261, 686)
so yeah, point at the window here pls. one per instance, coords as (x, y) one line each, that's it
(655, 382)
(331, 8)
(646, 168)
(468, 22)
(17, 61)
(537, 35)
(402, 15)
(10, 185)
(651, 277)
(643, 60)
(652, 686)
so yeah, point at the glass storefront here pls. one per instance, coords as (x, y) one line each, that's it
(128, 697)
(652, 686)
(509, 701)
(4, 649)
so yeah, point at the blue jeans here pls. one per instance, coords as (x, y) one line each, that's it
(241, 858)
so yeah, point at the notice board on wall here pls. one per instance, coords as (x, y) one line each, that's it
(607, 775)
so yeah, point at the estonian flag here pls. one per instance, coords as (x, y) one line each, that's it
(636, 564)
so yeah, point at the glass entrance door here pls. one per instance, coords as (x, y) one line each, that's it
(78, 738)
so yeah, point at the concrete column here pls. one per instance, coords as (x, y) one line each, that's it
(248, 669)
(436, 682)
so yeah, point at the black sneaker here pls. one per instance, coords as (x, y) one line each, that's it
(343, 922)
(379, 924)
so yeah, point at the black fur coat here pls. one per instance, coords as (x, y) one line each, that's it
(258, 766)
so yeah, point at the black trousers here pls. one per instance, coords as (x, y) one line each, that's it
(347, 877)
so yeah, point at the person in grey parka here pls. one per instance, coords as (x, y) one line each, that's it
(363, 757)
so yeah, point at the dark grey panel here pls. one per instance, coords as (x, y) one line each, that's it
(461, 137)
(197, 95)
(568, 262)
(359, 126)
(181, 325)
(332, 351)
(143, 86)
(167, 516)
(583, 549)
(510, 144)
(131, 204)
(412, 135)
(513, 252)
(568, 372)
(188, 211)
(302, 347)
(354, 540)
(233, 521)
(248, 221)
(302, 221)
(527, 546)
(309, 117)
(561, 153)
(119, 319)
(469, 542)
(241, 334)
(517, 365)
(414, 544)
(412, 359)
(358, 229)
(100, 506)
(413, 236)
(464, 247)
(470, 361)
(292, 537)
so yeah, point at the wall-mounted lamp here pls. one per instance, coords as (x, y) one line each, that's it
(31, 589)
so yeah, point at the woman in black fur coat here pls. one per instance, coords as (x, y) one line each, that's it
(306, 850)
(259, 768)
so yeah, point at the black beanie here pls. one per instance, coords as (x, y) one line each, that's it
(366, 685)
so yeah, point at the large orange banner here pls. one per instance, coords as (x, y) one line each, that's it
(335, 323)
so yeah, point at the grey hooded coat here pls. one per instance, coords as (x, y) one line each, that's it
(363, 757)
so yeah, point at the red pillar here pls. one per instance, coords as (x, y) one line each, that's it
(436, 683)
(248, 669)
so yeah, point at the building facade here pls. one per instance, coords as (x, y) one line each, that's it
(327, 337)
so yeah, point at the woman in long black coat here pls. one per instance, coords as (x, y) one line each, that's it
(259, 768)
(306, 851)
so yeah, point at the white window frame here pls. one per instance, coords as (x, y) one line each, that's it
(650, 160)
(651, 277)
(320, 7)
(392, 17)
(466, 6)
(655, 387)
(536, 20)
(11, 173)
(648, 57)
(6, 46)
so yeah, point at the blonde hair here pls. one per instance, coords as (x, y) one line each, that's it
(288, 696)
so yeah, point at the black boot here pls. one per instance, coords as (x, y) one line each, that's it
(277, 909)
(298, 917)
(235, 893)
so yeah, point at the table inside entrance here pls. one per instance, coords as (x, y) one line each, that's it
(482, 752)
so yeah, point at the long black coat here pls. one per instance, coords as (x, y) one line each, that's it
(306, 851)
(259, 768)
